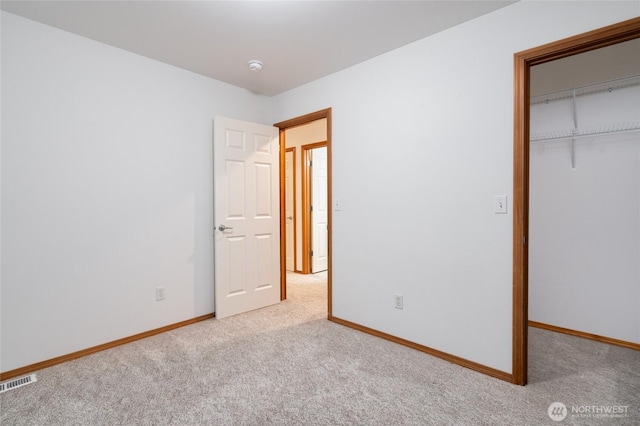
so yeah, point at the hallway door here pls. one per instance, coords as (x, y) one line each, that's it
(289, 176)
(319, 214)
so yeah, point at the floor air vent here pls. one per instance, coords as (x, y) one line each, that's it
(16, 383)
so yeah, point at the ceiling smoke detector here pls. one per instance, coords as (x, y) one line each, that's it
(255, 65)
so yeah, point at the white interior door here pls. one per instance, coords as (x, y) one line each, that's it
(289, 208)
(319, 215)
(246, 216)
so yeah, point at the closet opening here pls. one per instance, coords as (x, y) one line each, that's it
(523, 61)
(584, 192)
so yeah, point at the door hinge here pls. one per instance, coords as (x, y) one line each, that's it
(311, 208)
(310, 163)
(311, 253)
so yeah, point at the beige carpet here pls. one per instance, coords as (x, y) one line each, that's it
(288, 365)
(317, 278)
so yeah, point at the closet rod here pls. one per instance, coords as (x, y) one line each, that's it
(601, 86)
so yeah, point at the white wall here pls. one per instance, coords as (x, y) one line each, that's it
(421, 142)
(296, 137)
(584, 253)
(106, 191)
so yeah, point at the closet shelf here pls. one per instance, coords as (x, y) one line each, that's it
(577, 132)
(631, 126)
(603, 86)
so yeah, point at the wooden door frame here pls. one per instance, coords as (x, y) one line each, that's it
(306, 202)
(294, 216)
(283, 126)
(523, 61)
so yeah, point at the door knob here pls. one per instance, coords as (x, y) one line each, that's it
(223, 228)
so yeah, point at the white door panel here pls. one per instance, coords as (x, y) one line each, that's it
(246, 202)
(320, 214)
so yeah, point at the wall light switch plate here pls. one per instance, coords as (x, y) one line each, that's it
(160, 293)
(500, 204)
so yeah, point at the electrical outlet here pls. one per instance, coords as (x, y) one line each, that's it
(160, 293)
(397, 301)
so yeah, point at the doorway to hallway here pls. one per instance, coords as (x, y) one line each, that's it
(288, 131)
